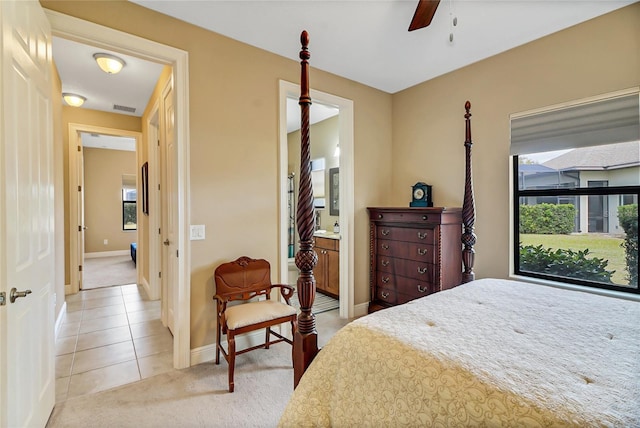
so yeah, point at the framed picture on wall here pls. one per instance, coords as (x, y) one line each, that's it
(145, 188)
(334, 191)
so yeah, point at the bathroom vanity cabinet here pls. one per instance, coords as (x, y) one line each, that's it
(327, 271)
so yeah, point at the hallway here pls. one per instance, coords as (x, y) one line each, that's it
(110, 337)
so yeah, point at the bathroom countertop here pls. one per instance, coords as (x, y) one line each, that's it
(326, 234)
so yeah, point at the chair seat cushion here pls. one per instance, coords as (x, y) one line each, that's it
(255, 312)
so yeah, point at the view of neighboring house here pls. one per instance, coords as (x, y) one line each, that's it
(598, 166)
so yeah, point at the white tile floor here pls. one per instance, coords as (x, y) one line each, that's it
(110, 337)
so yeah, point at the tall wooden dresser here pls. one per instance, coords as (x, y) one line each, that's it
(414, 252)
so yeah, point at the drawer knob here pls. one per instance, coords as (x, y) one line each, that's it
(422, 252)
(385, 246)
(424, 217)
(385, 232)
(384, 294)
(422, 289)
(379, 215)
(385, 279)
(422, 271)
(422, 235)
(385, 263)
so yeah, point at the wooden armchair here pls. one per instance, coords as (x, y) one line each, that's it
(241, 280)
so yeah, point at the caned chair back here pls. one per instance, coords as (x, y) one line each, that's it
(243, 279)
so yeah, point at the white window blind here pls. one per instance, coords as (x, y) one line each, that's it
(613, 119)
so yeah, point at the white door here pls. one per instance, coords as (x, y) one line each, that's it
(169, 207)
(81, 226)
(27, 373)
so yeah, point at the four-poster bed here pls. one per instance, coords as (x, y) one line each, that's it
(488, 352)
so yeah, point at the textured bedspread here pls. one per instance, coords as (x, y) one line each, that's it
(488, 353)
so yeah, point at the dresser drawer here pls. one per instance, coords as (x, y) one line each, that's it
(406, 234)
(408, 268)
(387, 295)
(408, 216)
(415, 288)
(408, 286)
(403, 250)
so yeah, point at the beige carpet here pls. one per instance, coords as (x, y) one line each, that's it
(194, 397)
(106, 271)
(198, 396)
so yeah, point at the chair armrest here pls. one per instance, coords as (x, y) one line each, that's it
(221, 304)
(286, 291)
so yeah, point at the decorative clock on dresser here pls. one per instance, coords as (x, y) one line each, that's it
(414, 252)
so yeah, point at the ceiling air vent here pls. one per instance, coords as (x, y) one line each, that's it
(95, 135)
(124, 108)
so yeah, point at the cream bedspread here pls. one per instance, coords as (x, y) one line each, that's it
(487, 353)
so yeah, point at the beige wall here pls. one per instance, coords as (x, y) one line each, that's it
(94, 118)
(234, 177)
(596, 57)
(103, 171)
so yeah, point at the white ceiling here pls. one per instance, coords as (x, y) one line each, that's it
(102, 141)
(368, 40)
(317, 113)
(79, 73)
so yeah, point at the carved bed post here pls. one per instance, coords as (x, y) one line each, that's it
(305, 340)
(468, 205)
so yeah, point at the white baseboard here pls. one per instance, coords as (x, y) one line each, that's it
(361, 310)
(107, 254)
(146, 286)
(60, 318)
(203, 354)
(207, 353)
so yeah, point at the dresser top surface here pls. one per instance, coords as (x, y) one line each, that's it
(416, 209)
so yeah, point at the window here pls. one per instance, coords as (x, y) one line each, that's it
(317, 182)
(129, 208)
(576, 181)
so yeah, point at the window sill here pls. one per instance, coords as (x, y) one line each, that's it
(574, 287)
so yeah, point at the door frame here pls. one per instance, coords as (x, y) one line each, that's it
(75, 140)
(345, 132)
(154, 202)
(83, 31)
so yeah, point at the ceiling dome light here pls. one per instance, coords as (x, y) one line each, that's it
(73, 100)
(109, 63)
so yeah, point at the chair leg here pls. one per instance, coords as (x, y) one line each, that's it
(218, 344)
(232, 358)
(266, 342)
(294, 325)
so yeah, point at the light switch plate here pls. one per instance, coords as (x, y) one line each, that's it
(197, 232)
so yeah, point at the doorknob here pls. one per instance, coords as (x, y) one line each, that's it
(166, 242)
(15, 294)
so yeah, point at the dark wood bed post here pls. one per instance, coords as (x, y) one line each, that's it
(305, 339)
(468, 205)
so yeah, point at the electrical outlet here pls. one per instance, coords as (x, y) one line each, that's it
(197, 232)
(106, 242)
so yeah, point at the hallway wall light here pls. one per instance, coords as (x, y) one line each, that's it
(110, 64)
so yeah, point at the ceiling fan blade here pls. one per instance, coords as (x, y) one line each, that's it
(424, 14)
